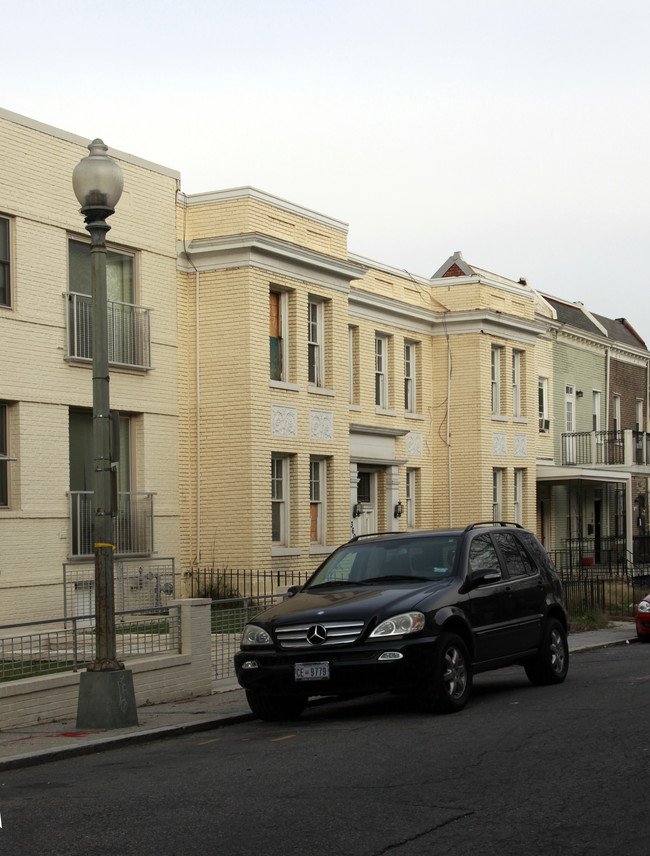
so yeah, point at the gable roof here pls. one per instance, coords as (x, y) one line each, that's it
(620, 330)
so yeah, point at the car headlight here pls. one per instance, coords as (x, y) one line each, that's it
(254, 635)
(644, 606)
(399, 625)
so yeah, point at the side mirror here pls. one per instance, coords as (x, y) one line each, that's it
(292, 590)
(484, 576)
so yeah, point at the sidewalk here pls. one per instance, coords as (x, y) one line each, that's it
(52, 741)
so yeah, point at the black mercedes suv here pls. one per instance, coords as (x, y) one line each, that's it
(419, 612)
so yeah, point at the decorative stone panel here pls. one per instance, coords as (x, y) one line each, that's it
(521, 445)
(499, 443)
(321, 425)
(284, 421)
(413, 444)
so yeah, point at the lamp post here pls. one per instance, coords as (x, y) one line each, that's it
(106, 695)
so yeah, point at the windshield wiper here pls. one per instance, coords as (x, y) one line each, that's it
(331, 583)
(395, 578)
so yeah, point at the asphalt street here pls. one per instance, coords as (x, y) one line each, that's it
(553, 770)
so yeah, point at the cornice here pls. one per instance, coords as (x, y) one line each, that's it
(247, 192)
(277, 257)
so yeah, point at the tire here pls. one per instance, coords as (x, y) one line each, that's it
(551, 664)
(643, 637)
(273, 708)
(448, 684)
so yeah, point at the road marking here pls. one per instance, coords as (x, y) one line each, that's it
(205, 742)
(287, 737)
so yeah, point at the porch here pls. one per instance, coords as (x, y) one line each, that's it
(606, 448)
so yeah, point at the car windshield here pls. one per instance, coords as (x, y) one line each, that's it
(364, 562)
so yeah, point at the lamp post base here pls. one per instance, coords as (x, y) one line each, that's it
(106, 700)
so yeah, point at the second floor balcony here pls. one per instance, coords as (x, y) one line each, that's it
(625, 448)
(129, 331)
(132, 524)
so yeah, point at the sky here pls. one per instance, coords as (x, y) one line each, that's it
(515, 131)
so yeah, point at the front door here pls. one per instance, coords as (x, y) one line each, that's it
(367, 502)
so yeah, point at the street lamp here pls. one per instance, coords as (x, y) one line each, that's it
(106, 694)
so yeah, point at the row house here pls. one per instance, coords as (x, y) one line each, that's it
(593, 486)
(46, 379)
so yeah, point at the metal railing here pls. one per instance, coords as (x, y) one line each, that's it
(58, 645)
(138, 584)
(221, 583)
(584, 448)
(132, 525)
(129, 331)
(228, 617)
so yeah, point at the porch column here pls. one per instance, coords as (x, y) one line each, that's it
(354, 483)
(392, 497)
(629, 521)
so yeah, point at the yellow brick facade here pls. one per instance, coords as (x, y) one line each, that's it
(40, 385)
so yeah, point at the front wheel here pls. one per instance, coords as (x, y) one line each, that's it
(273, 708)
(551, 664)
(448, 684)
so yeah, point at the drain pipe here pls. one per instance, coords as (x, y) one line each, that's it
(451, 505)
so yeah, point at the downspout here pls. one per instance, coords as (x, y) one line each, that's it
(197, 379)
(451, 515)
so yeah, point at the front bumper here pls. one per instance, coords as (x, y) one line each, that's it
(353, 670)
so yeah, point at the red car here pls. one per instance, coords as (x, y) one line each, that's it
(642, 618)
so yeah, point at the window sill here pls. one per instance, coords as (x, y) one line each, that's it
(356, 407)
(417, 416)
(280, 384)
(521, 420)
(286, 551)
(320, 550)
(319, 390)
(496, 417)
(381, 412)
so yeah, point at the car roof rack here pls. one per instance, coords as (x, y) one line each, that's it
(503, 523)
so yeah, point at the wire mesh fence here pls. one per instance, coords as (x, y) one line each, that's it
(228, 617)
(59, 645)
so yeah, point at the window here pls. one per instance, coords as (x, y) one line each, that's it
(639, 414)
(496, 379)
(410, 499)
(381, 372)
(315, 356)
(596, 405)
(353, 360)
(5, 268)
(317, 500)
(497, 494)
(128, 324)
(516, 559)
(278, 335)
(410, 405)
(4, 457)
(618, 433)
(516, 383)
(280, 500)
(518, 496)
(482, 555)
(542, 397)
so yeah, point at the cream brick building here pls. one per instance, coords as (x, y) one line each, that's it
(330, 394)
(46, 378)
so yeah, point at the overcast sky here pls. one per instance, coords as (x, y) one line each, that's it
(516, 131)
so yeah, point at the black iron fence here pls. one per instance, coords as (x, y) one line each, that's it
(223, 583)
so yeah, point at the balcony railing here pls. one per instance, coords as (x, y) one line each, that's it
(129, 331)
(597, 448)
(132, 525)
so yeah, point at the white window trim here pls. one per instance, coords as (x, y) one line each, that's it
(9, 263)
(282, 501)
(410, 378)
(518, 499)
(283, 306)
(320, 465)
(516, 383)
(497, 494)
(411, 519)
(495, 379)
(381, 372)
(316, 327)
(542, 384)
(596, 406)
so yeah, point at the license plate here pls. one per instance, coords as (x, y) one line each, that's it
(312, 671)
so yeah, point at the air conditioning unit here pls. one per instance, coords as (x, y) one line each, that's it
(544, 424)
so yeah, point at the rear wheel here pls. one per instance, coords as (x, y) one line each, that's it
(448, 685)
(272, 708)
(551, 664)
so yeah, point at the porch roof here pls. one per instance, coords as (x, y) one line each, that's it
(550, 473)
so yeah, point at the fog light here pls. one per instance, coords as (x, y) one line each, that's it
(390, 655)
(250, 664)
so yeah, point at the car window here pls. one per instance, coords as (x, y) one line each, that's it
(482, 554)
(538, 552)
(517, 561)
